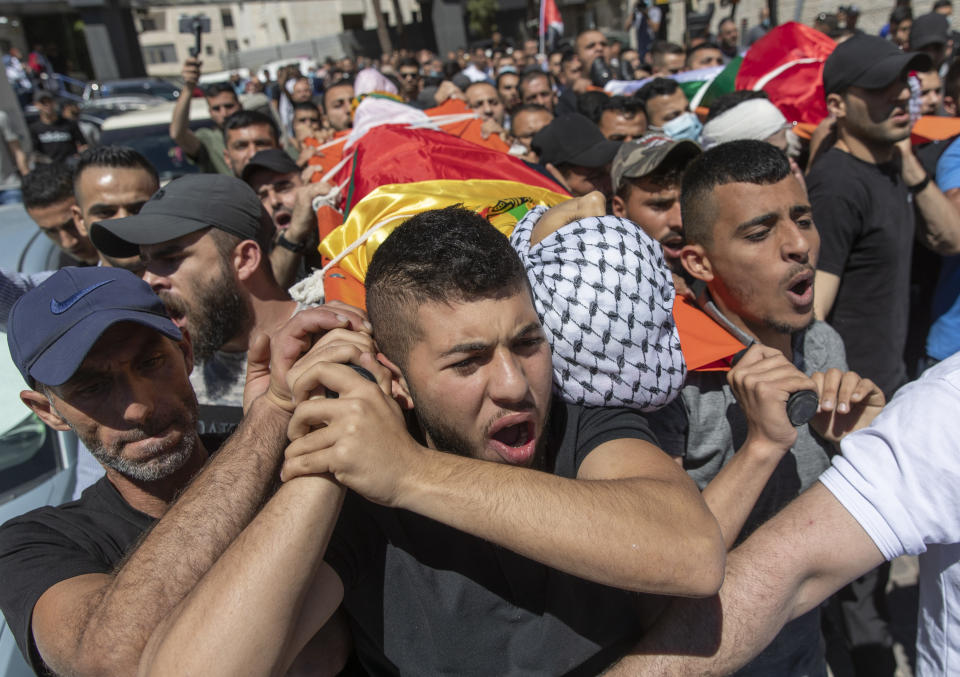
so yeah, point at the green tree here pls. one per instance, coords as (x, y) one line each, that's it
(481, 14)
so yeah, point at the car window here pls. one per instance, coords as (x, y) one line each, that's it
(154, 142)
(28, 449)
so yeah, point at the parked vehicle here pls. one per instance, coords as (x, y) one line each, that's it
(37, 463)
(132, 87)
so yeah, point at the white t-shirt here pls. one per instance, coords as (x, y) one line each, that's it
(900, 479)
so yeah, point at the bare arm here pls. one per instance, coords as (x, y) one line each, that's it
(632, 519)
(99, 624)
(180, 130)
(270, 590)
(302, 230)
(940, 227)
(19, 157)
(825, 287)
(787, 567)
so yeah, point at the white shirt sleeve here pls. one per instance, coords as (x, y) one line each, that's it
(900, 477)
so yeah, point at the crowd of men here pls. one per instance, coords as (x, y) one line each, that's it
(502, 465)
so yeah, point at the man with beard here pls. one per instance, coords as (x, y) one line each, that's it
(102, 358)
(203, 240)
(275, 178)
(753, 246)
(502, 532)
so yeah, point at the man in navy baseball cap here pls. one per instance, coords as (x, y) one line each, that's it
(103, 359)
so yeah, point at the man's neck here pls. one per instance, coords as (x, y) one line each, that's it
(154, 498)
(49, 119)
(867, 151)
(758, 332)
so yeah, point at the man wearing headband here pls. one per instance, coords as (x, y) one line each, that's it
(102, 358)
(499, 534)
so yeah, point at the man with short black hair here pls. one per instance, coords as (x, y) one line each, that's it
(337, 99)
(49, 201)
(54, 138)
(728, 38)
(276, 180)
(622, 119)
(508, 87)
(929, 35)
(439, 573)
(704, 55)
(245, 133)
(663, 101)
(205, 145)
(752, 246)
(408, 75)
(577, 154)
(527, 120)
(204, 240)
(666, 58)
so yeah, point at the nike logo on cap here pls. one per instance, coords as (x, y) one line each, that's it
(58, 307)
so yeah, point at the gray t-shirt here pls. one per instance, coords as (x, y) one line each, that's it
(705, 426)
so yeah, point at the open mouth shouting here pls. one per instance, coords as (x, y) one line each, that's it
(800, 290)
(513, 438)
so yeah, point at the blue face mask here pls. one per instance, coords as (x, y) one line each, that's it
(686, 126)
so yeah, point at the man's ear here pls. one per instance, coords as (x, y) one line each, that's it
(401, 391)
(186, 347)
(836, 106)
(950, 106)
(40, 405)
(78, 220)
(695, 261)
(247, 256)
(619, 207)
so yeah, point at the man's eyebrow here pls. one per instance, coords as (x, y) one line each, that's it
(470, 347)
(755, 221)
(526, 330)
(800, 210)
(100, 207)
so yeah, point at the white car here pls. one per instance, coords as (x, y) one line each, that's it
(37, 463)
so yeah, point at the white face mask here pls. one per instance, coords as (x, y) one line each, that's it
(686, 126)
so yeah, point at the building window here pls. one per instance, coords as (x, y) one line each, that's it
(160, 54)
(232, 46)
(352, 22)
(155, 21)
(209, 50)
(227, 18)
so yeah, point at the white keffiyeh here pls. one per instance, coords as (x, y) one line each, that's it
(605, 298)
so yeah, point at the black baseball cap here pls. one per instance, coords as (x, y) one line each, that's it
(929, 29)
(184, 206)
(42, 95)
(870, 62)
(574, 140)
(272, 159)
(53, 326)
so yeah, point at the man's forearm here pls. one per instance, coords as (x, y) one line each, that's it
(257, 591)
(940, 225)
(187, 540)
(180, 124)
(636, 533)
(733, 492)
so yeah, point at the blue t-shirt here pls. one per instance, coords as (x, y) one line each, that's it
(944, 337)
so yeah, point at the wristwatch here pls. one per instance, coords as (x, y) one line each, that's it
(295, 247)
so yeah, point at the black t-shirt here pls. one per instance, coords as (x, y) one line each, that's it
(48, 545)
(58, 141)
(91, 535)
(426, 599)
(865, 216)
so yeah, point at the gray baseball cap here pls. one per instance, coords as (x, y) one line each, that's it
(184, 206)
(641, 157)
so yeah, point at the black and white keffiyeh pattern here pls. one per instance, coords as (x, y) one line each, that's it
(605, 298)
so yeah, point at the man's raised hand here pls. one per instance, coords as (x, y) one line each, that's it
(848, 402)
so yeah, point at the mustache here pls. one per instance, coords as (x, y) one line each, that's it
(796, 270)
(176, 306)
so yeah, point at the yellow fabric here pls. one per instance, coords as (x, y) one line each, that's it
(395, 203)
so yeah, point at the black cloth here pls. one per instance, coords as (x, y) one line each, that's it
(58, 141)
(91, 535)
(48, 545)
(426, 599)
(865, 216)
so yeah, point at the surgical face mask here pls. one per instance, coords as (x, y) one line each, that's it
(686, 126)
